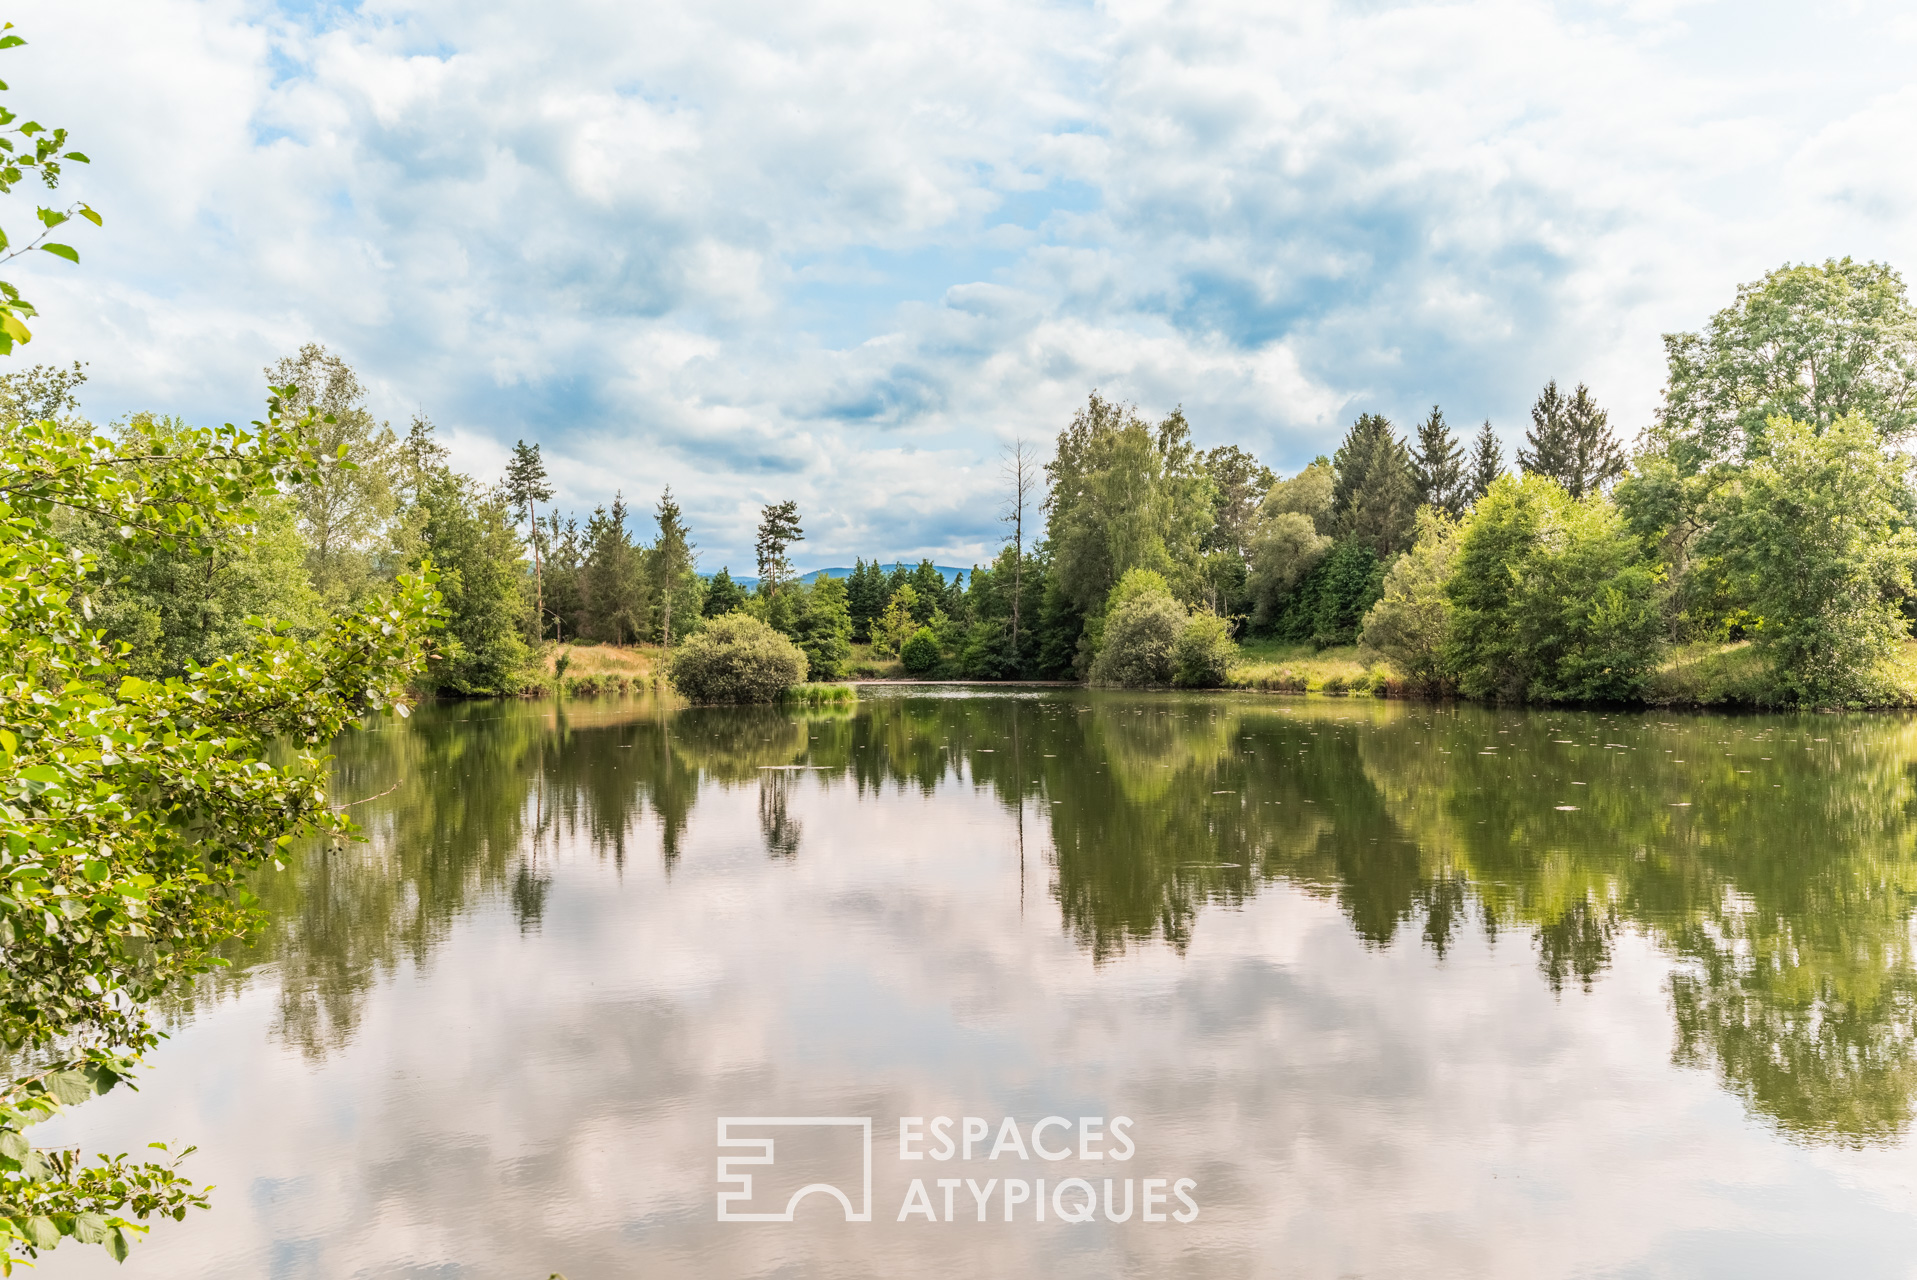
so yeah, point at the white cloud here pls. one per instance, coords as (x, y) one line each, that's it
(839, 252)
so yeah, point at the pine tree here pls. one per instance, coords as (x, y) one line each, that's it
(723, 595)
(525, 486)
(1373, 500)
(865, 598)
(671, 555)
(778, 529)
(615, 595)
(1437, 466)
(1570, 442)
(1487, 464)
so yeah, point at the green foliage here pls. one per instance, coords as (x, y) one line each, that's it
(865, 596)
(1809, 343)
(1139, 635)
(723, 595)
(672, 569)
(778, 530)
(32, 148)
(1203, 653)
(346, 501)
(1550, 599)
(920, 654)
(468, 533)
(1125, 495)
(1571, 443)
(1374, 498)
(174, 607)
(899, 620)
(1486, 464)
(131, 809)
(1287, 548)
(736, 658)
(1437, 467)
(618, 595)
(1814, 538)
(1329, 603)
(1411, 622)
(823, 628)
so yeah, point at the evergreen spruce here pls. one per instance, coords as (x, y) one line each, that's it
(1373, 499)
(1437, 466)
(1570, 442)
(1486, 465)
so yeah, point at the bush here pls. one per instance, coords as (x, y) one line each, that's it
(736, 658)
(1551, 600)
(1138, 642)
(920, 654)
(1203, 654)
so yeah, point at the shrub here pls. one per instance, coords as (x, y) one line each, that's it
(1551, 600)
(1334, 685)
(1203, 653)
(920, 655)
(736, 658)
(1139, 636)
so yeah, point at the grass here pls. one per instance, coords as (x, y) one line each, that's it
(1736, 675)
(869, 665)
(1298, 668)
(631, 661)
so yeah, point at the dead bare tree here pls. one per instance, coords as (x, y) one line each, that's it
(1019, 466)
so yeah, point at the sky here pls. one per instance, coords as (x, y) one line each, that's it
(845, 254)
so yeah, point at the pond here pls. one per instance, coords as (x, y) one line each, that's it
(1070, 984)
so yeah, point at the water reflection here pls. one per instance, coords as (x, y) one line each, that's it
(1770, 859)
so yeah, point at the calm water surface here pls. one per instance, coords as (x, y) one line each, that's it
(1403, 991)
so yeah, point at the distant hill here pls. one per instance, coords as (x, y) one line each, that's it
(840, 571)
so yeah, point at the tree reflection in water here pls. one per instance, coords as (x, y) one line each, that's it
(1782, 888)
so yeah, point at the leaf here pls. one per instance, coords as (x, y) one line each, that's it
(13, 330)
(89, 215)
(62, 251)
(13, 1144)
(76, 156)
(119, 1245)
(40, 1228)
(90, 1228)
(70, 1087)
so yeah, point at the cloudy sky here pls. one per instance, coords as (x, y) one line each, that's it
(844, 252)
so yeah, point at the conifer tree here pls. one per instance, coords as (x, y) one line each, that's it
(778, 529)
(1487, 464)
(1373, 500)
(1437, 466)
(1570, 442)
(525, 486)
(672, 556)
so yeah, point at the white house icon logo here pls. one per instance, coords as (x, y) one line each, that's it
(763, 1149)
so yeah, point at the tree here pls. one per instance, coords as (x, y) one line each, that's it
(1809, 343)
(469, 531)
(420, 457)
(1239, 485)
(723, 595)
(32, 148)
(345, 502)
(896, 625)
(40, 392)
(1816, 535)
(135, 809)
(525, 488)
(1124, 495)
(616, 600)
(823, 628)
(1287, 549)
(1021, 473)
(672, 557)
(1487, 463)
(778, 530)
(928, 590)
(865, 594)
(1140, 636)
(1373, 498)
(1569, 442)
(1411, 623)
(1437, 467)
(1550, 598)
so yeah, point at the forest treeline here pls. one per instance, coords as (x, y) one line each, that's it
(1771, 501)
